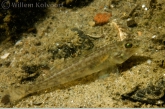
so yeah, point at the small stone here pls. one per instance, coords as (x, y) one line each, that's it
(92, 23)
(5, 56)
(19, 43)
(149, 61)
(143, 6)
(96, 36)
(154, 36)
(131, 23)
(37, 103)
(145, 9)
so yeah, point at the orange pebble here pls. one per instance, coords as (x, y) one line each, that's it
(102, 18)
(139, 33)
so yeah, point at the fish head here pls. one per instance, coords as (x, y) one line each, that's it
(125, 49)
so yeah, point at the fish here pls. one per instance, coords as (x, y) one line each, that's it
(102, 58)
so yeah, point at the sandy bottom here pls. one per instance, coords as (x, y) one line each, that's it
(145, 68)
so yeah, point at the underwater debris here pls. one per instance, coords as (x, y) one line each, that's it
(32, 72)
(102, 18)
(122, 35)
(86, 42)
(30, 69)
(152, 94)
(131, 22)
(63, 51)
(5, 56)
(67, 49)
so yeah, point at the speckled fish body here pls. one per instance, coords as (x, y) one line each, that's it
(103, 58)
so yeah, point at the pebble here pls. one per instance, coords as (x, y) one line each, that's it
(131, 23)
(149, 61)
(96, 36)
(19, 43)
(37, 103)
(5, 56)
(154, 36)
(91, 23)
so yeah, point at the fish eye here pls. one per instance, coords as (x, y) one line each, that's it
(128, 45)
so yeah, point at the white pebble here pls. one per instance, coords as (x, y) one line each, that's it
(149, 61)
(145, 9)
(18, 43)
(154, 36)
(143, 6)
(5, 56)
